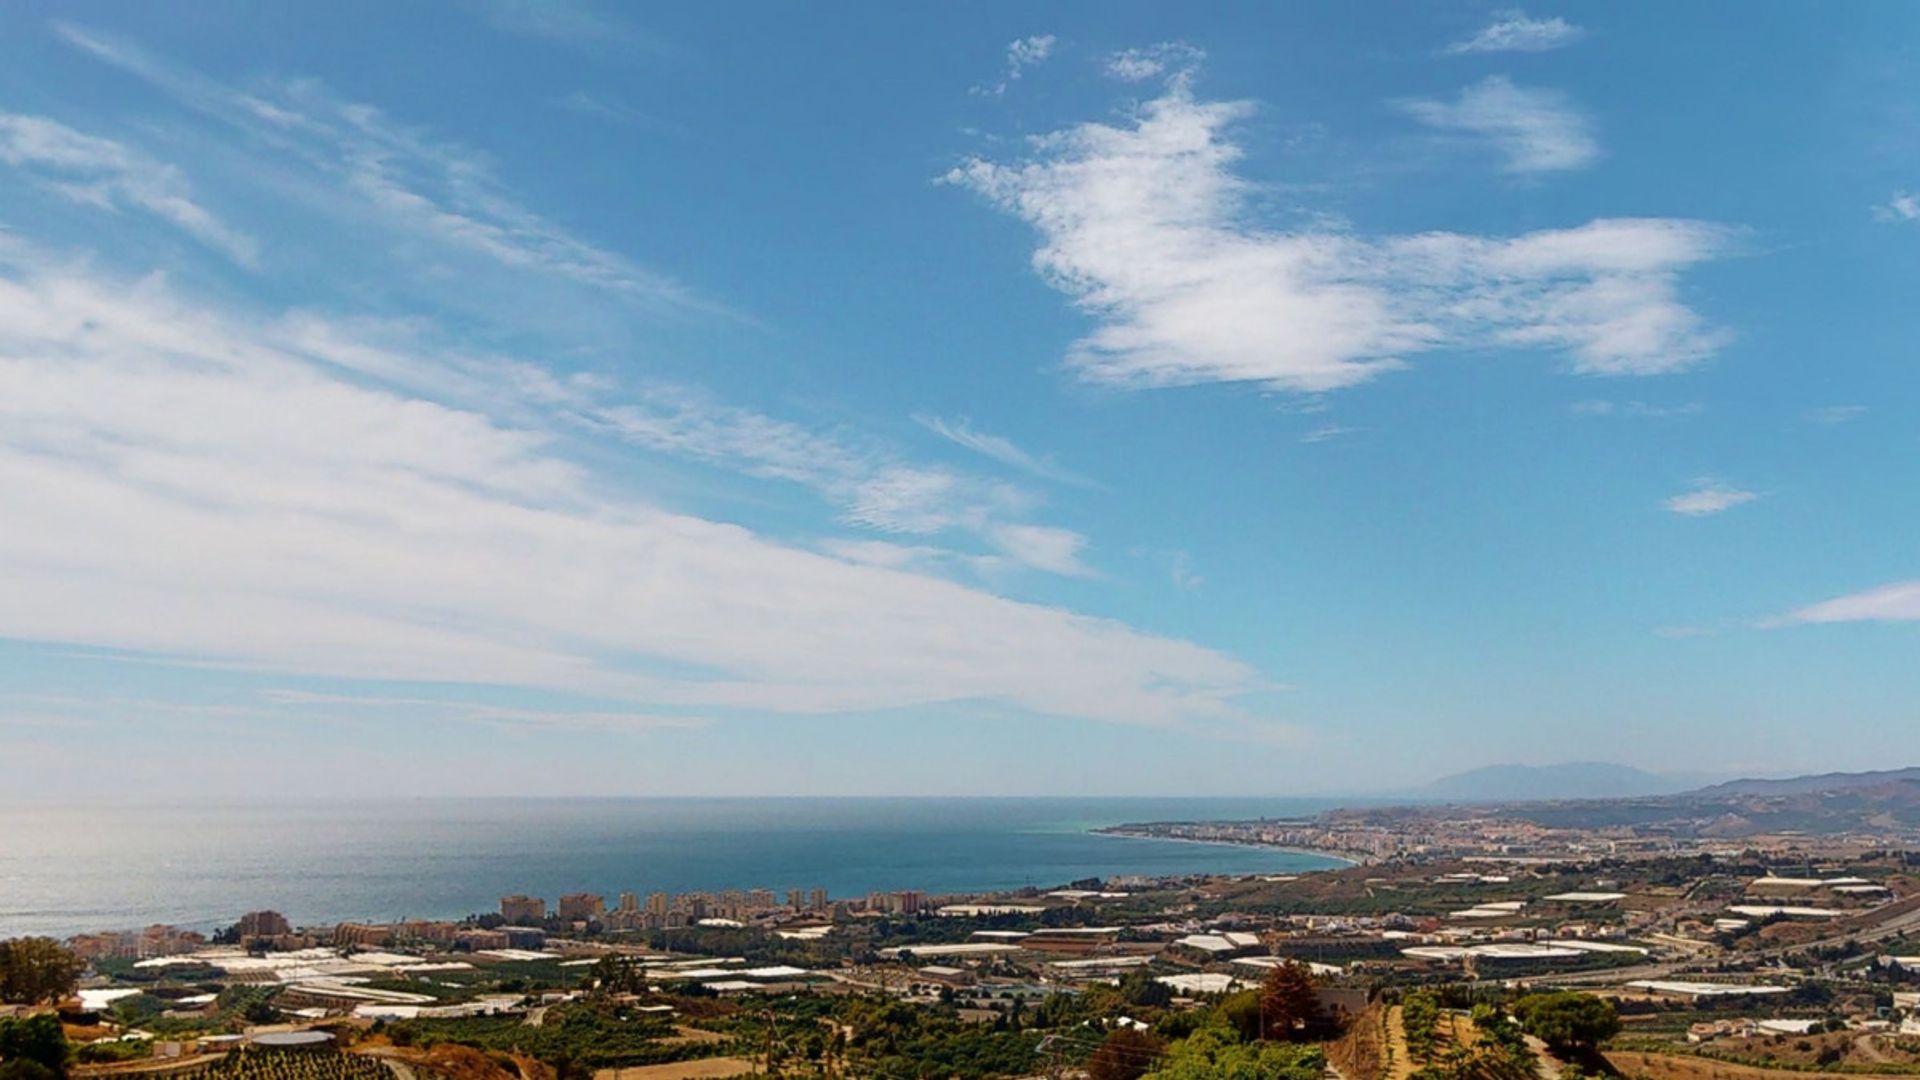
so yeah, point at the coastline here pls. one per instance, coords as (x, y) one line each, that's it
(1135, 832)
(104, 872)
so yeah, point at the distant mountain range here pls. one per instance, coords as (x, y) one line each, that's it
(1595, 795)
(1824, 783)
(1570, 780)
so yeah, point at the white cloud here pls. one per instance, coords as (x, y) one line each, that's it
(1153, 61)
(109, 175)
(1022, 54)
(1896, 602)
(482, 713)
(567, 22)
(873, 485)
(1181, 572)
(1326, 432)
(203, 491)
(1903, 207)
(1836, 414)
(1515, 31)
(1043, 547)
(1708, 496)
(905, 498)
(1535, 130)
(1645, 410)
(1027, 52)
(1146, 227)
(999, 448)
(603, 107)
(886, 553)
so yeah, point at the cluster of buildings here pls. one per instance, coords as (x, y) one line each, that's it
(155, 940)
(1365, 838)
(666, 911)
(669, 911)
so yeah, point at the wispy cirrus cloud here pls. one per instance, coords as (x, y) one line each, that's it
(110, 175)
(1836, 414)
(1708, 497)
(1535, 131)
(1327, 433)
(356, 163)
(363, 168)
(873, 484)
(603, 107)
(1147, 226)
(1895, 602)
(1181, 572)
(1516, 31)
(574, 23)
(207, 491)
(471, 712)
(1643, 410)
(961, 432)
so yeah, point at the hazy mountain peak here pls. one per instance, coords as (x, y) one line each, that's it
(1567, 780)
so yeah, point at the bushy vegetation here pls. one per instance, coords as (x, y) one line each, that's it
(108, 1051)
(1215, 1052)
(33, 1048)
(1568, 1021)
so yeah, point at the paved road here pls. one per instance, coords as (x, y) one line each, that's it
(149, 1065)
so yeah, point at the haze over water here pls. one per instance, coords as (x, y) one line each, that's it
(65, 870)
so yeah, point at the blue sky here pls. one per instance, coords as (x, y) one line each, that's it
(555, 398)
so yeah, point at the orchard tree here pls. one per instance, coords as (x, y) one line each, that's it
(37, 969)
(1567, 1020)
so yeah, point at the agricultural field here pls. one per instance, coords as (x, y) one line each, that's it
(1851, 1052)
(254, 1064)
(594, 1036)
(1657, 1066)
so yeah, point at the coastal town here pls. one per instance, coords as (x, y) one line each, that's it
(1782, 951)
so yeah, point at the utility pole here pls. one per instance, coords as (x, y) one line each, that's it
(767, 1066)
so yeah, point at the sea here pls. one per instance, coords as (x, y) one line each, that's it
(71, 869)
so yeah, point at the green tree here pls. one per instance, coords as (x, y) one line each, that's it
(1126, 1054)
(1241, 1015)
(37, 1040)
(1567, 1020)
(1290, 1004)
(26, 1070)
(1214, 1053)
(1141, 988)
(37, 969)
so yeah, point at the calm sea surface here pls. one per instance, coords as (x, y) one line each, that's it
(69, 869)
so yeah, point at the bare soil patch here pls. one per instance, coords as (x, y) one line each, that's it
(717, 1068)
